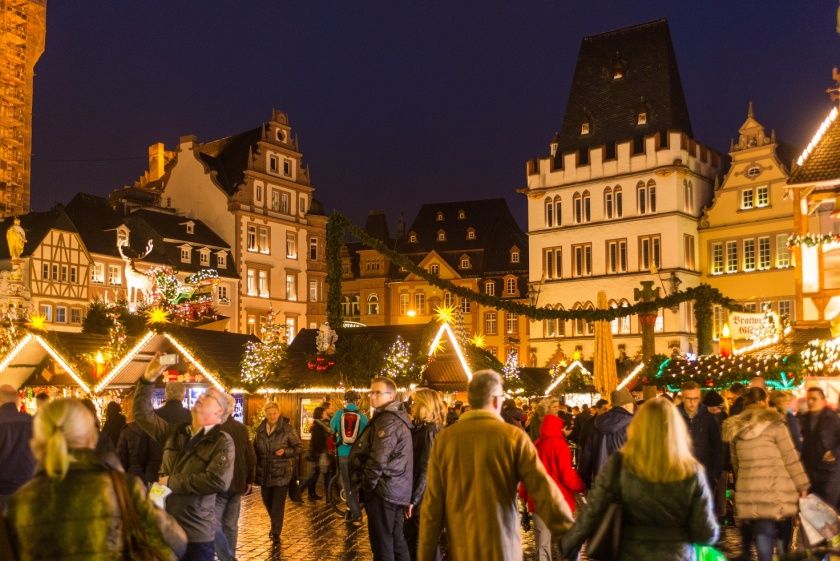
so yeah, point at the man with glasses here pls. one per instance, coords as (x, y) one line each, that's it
(472, 478)
(821, 447)
(706, 441)
(384, 457)
(197, 463)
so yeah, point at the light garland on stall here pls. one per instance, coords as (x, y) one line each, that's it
(559, 379)
(630, 377)
(817, 136)
(189, 356)
(444, 328)
(123, 362)
(812, 240)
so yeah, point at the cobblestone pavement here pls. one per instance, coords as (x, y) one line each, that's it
(312, 531)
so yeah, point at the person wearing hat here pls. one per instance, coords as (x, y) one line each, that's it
(714, 404)
(608, 434)
(347, 429)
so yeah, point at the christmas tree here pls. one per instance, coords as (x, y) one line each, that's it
(397, 359)
(264, 357)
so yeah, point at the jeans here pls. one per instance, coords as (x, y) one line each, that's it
(761, 530)
(351, 493)
(274, 499)
(385, 528)
(199, 552)
(311, 483)
(542, 539)
(227, 517)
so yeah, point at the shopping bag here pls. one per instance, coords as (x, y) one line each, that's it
(822, 518)
(708, 553)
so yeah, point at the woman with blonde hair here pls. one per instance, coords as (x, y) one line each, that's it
(666, 502)
(546, 406)
(428, 413)
(72, 508)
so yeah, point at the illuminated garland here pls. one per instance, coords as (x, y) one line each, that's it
(715, 371)
(263, 358)
(812, 240)
(821, 357)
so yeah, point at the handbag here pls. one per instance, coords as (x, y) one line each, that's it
(603, 544)
(135, 544)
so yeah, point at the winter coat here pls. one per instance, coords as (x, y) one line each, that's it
(384, 455)
(583, 418)
(660, 521)
(16, 462)
(79, 519)
(514, 416)
(554, 453)
(320, 431)
(112, 428)
(198, 466)
(245, 461)
(133, 452)
(274, 470)
(795, 431)
(607, 436)
(172, 412)
(422, 438)
(471, 489)
(815, 443)
(706, 442)
(768, 474)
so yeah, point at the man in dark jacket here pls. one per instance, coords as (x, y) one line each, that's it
(706, 442)
(384, 455)
(133, 451)
(16, 462)
(228, 504)
(821, 447)
(172, 411)
(608, 434)
(197, 460)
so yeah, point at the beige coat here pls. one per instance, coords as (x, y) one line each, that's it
(471, 489)
(769, 475)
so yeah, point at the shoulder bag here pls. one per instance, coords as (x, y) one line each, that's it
(135, 544)
(604, 543)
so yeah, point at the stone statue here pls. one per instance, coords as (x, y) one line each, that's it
(16, 238)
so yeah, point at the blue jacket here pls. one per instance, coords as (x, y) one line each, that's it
(16, 462)
(335, 425)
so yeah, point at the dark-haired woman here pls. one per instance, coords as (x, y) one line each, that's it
(317, 456)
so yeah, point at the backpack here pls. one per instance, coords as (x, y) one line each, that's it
(348, 426)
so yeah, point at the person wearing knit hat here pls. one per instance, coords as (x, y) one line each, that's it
(608, 434)
(649, 392)
(621, 397)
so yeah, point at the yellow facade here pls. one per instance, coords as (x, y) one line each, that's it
(23, 28)
(743, 235)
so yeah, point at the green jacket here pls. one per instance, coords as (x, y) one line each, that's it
(79, 518)
(197, 470)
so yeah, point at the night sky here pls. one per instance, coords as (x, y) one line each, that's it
(396, 103)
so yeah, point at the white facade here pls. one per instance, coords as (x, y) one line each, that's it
(613, 242)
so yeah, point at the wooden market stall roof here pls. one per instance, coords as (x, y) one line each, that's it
(793, 341)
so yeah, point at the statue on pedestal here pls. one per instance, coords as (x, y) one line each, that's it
(16, 239)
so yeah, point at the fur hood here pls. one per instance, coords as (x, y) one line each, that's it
(750, 423)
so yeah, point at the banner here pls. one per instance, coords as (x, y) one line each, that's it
(753, 326)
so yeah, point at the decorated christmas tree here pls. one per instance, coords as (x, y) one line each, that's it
(397, 359)
(264, 357)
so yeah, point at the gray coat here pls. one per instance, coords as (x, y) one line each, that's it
(660, 521)
(274, 470)
(197, 468)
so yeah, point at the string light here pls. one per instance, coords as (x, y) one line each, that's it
(189, 356)
(128, 357)
(444, 328)
(63, 363)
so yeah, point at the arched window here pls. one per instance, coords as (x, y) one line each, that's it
(558, 211)
(373, 304)
(355, 306)
(345, 305)
(608, 203)
(587, 207)
(577, 208)
(651, 187)
(590, 326)
(641, 198)
(614, 323)
(618, 202)
(624, 321)
(549, 325)
(549, 213)
(447, 298)
(579, 321)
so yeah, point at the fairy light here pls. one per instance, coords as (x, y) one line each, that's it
(128, 357)
(448, 330)
(561, 377)
(817, 137)
(63, 363)
(189, 356)
(760, 344)
(321, 390)
(631, 376)
(10, 356)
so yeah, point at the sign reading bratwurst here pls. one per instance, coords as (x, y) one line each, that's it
(752, 326)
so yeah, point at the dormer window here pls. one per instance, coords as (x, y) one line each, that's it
(434, 268)
(642, 118)
(190, 227)
(462, 215)
(221, 260)
(490, 288)
(470, 233)
(186, 254)
(465, 262)
(439, 216)
(204, 257)
(514, 255)
(618, 73)
(441, 236)
(412, 237)
(584, 128)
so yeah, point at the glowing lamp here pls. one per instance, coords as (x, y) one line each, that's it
(411, 313)
(37, 322)
(725, 342)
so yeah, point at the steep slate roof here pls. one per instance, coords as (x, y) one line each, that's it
(823, 163)
(96, 221)
(651, 80)
(36, 225)
(228, 157)
(496, 232)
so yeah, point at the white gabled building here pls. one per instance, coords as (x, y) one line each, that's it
(617, 200)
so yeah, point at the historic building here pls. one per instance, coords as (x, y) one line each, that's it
(23, 29)
(744, 233)
(253, 190)
(476, 244)
(618, 199)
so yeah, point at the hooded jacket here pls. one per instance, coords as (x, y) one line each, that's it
(554, 452)
(608, 435)
(768, 474)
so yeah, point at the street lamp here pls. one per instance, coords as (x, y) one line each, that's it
(534, 289)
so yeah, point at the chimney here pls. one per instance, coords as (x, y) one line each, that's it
(157, 161)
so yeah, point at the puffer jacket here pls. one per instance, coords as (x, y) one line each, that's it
(274, 470)
(660, 521)
(768, 474)
(384, 455)
(198, 467)
(79, 519)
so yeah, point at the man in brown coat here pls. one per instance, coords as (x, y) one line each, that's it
(471, 483)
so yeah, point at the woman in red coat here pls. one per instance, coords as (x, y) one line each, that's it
(556, 456)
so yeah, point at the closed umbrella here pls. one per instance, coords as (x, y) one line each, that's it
(605, 376)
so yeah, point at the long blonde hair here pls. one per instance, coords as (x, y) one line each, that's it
(60, 426)
(658, 447)
(427, 406)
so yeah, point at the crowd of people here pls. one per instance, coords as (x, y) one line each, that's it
(429, 477)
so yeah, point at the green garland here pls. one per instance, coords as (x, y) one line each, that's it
(704, 295)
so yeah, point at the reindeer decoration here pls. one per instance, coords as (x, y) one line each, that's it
(137, 285)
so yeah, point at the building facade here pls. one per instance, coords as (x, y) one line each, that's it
(23, 29)
(618, 199)
(744, 233)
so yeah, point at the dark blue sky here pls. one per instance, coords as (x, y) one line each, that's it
(396, 103)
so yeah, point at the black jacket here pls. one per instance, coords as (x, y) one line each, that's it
(172, 412)
(815, 443)
(133, 452)
(320, 431)
(383, 455)
(707, 444)
(112, 428)
(274, 470)
(422, 437)
(17, 464)
(245, 462)
(607, 435)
